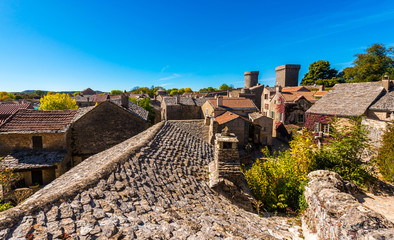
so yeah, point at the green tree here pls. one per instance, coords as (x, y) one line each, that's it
(6, 96)
(321, 73)
(385, 158)
(116, 92)
(225, 87)
(372, 65)
(57, 101)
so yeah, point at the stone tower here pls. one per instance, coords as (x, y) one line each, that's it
(251, 79)
(287, 75)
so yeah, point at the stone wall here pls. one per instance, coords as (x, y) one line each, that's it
(50, 142)
(239, 127)
(102, 128)
(181, 112)
(376, 130)
(333, 213)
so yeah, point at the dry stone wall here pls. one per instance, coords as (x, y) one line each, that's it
(333, 213)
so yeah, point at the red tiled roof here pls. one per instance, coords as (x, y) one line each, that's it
(293, 96)
(320, 93)
(33, 120)
(8, 109)
(234, 103)
(228, 116)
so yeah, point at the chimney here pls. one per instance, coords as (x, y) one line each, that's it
(251, 79)
(125, 100)
(321, 87)
(278, 88)
(386, 82)
(177, 99)
(220, 101)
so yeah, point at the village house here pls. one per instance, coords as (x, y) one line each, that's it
(42, 145)
(214, 107)
(374, 101)
(181, 108)
(262, 128)
(6, 110)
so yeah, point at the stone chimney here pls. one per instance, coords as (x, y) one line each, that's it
(287, 75)
(125, 99)
(251, 79)
(177, 99)
(220, 101)
(386, 83)
(225, 175)
(321, 87)
(278, 88)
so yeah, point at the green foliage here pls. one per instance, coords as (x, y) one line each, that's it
(6, 96)
(225, 87)
(40, 93)
(146, 104)
(321, 73)
(279, 181)
(372, 65)
(57, 101)
(385, 158)
(116, 92)
(5, 206)
(150, 91)
(208, 89)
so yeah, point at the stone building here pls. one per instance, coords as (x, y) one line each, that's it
(214, 107)
(287, 75)
(181, 108)
(374, 101)
(262, 128)
(87, 92)
(6, 110)
(154, 185)
(58, 140)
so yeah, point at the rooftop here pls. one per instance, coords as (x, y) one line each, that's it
(228, 116)
(348, 99)
(234, 103)
(385, 103)
(23, 160)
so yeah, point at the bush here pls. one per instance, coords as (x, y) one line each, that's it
(279, 182)
(385, 158)
(57, 101)
(5, 206)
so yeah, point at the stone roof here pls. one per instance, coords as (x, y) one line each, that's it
(255, 115)
(233, 103)
(295, 89)
(169, 100)
(134, 109)
(385, 103)
(29, 121)
(24, 160)
(227, 117)
(88, 91)
(348, 99)
(152, 186)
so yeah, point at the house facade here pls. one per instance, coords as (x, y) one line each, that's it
(181, 108)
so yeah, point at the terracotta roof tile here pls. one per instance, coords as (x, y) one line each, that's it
(234, 103)
(228, 116)
(293, 96)
(8, 109)
(295, 89)
(25, 120)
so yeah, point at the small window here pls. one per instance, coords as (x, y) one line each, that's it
(272, 114)
(265, 96)
(37, 142)
(266, 106)
(317, 127)
(227, 145)
(280, 116)
(326, 128)
(300, 118)
(274, 101)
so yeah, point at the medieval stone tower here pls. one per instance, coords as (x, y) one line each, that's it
(251, 78)
(287, 75)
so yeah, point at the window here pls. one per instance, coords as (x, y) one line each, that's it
(266, 106)
(300, 118)
(36, 177)
(280, 116)
(37, 142)
(272, 114)
(227, 145)
(326, 128)
(317, 127)
(274, 101)
(265, 96)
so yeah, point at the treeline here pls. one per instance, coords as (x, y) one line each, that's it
(177, 91)
(370, 66)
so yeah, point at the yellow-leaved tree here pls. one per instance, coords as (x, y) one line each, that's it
(57, 101)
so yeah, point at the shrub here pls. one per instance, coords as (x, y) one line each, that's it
(385, 158)
(5, 206)
(57, 101)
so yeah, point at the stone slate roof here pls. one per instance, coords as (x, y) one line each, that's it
(348, 99)
(385, 103)
(24, 160)
(26, 121)
(152, 186)
(134, 109)
(227, 117)
(255, 115)
(184, 101)
(234, 103)
(88, 91)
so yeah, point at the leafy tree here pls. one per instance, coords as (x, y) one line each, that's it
(225, 87)
(116, 92)
(57, 101)
(321, 73)
(187, 90)
(385, 158)
(75, 94)
(40, 93)
(372, 65)
(208, 89)
(146, 104)
(6, 96)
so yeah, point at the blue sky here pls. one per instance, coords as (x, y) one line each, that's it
(106, 45)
